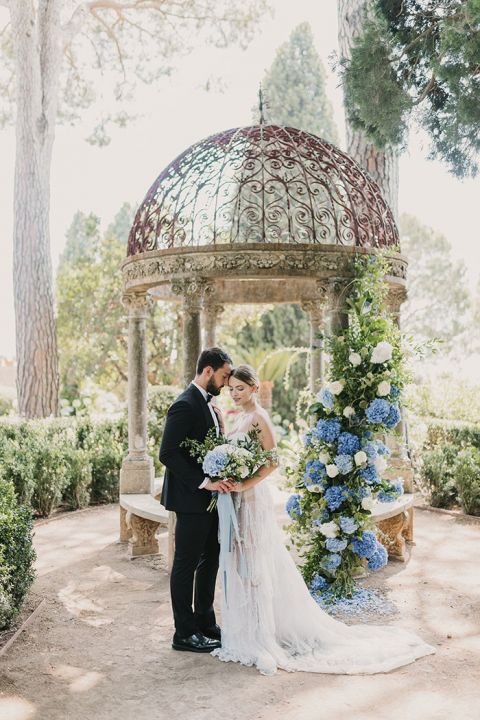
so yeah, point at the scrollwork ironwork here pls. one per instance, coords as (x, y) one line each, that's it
(264, 184)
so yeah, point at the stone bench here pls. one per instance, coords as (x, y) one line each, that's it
(140, 517)
(395, 522)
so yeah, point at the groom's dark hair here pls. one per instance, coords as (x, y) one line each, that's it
(212, 357)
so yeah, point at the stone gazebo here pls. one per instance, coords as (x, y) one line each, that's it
(260, 214)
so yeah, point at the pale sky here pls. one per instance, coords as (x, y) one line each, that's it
(178, 112)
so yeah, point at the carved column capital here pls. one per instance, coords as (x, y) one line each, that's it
(397, 294)
(193, 291)
(138, 304)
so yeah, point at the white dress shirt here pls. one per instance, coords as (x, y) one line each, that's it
(215, 420)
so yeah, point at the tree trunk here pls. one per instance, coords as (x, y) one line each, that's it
(382, 165)
(37, 38)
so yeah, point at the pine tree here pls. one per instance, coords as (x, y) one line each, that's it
(294, 87)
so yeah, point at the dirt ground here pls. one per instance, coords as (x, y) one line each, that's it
(100, 646)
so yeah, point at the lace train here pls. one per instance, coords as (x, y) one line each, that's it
(270, 620)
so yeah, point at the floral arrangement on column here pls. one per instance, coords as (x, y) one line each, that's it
(340, 471)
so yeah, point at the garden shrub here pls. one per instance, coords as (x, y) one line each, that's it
(16, 553)
(79, 473)
(467, 477)
(439, 476)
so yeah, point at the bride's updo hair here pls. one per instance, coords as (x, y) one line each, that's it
(246, 374)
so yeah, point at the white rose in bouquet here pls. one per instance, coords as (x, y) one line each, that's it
(355, 359)
(336, 387)
(381, 352)
(348, 411)
(383, 388)
(329, 529)
(360, 457)
(368, 503)
(324, 458)
(332, 470)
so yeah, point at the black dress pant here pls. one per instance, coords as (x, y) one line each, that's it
(194, 572)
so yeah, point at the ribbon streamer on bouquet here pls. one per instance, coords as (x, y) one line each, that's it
(228, 529)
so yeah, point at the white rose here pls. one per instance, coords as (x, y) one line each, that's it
(383, 388)
(315, 488)
(360, 457)
(332, 471)
(381, 352)
(355, 359)
(348, 411)
(336, 387)
(380, 464)
(243, 471)
(368, 503)
(324, 458)
(329, 529)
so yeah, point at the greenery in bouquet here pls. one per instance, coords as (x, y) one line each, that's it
(237, 459)
(339, 475)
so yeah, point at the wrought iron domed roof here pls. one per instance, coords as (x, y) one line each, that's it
(262, 184)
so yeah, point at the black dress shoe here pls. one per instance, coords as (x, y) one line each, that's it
(214, 632)
(195, 643)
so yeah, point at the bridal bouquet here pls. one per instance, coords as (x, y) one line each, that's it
(237, 459)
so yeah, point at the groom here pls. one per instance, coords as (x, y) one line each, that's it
(188, 494)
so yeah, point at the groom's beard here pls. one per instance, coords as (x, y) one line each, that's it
(212, 387)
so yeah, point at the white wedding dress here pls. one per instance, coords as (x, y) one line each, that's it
(269, 618)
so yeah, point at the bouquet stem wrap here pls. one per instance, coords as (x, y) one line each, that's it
(227, 530)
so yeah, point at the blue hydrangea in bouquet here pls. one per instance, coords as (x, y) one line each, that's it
(340, 474)
(237, 459)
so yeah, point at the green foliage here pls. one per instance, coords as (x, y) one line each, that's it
(79, 473)
(92, 323)
(449, 398)
(457, 433)
(438, 475)
(16, 553)
(438, 297)
(419, 60)
(51, 477)
(467, 475)
(294, 87)
(6, 406)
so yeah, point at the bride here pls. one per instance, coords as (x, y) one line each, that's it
(269, 618)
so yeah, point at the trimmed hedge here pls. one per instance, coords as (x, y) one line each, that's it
(74, 461)
(16, 553)
(451, 465)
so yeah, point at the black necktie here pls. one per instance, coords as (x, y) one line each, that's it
(209, 397)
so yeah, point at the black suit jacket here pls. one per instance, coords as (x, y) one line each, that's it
(188, 417)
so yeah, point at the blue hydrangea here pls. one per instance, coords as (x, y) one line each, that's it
(336, 545)
(344, 464)
(326, 398)
(367, 435)
(394, 392)
(293, 507)
(318, 583)
(377, 412)
(378, 559)
(347, 524)
(382, 449)
(314, 471)
(358, 493)
(366, 545)
(373, 449)
(370, 475)
(214, 463)
(335, 495)
(327, 430)
(393, 492)
(394, 417)
(331, 562)
(348, 444)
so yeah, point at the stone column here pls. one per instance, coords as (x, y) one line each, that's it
(211, 313)
(136, 475)
(315, 309)
(192, 292)
(399, 460)
(337, 295)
